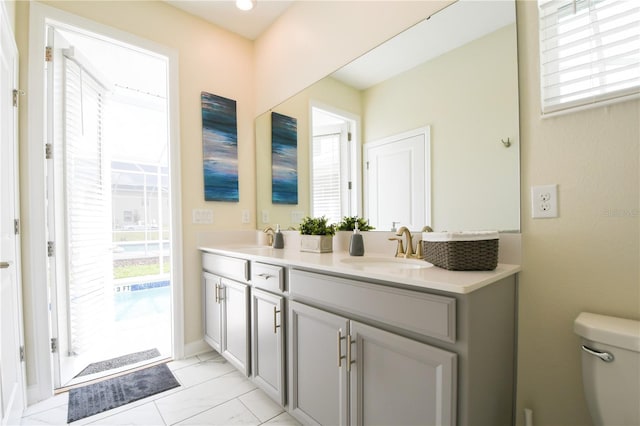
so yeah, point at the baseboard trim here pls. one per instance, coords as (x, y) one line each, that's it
(196, 348)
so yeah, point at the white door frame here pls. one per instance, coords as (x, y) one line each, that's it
(36, 276)
(15, 400)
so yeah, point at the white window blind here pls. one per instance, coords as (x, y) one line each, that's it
(326, 177)
(589, 52)
(87, 212)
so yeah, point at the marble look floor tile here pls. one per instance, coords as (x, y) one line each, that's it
(145, 414)
(283, 419)
(49, 403)
(228, 413)
(197, 399)
(261, 405)
(181, 363)
(209, 355)
(203, 371)
(52, 416)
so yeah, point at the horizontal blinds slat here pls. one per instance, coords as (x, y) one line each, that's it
(591, 55)
(87, 216)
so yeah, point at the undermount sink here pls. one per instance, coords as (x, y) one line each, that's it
(386, 263)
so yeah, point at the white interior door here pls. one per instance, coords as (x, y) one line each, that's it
(397, 188)
(79, 210)
(12, 372)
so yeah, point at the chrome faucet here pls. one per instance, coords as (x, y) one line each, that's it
(400, 251)
(270, 234)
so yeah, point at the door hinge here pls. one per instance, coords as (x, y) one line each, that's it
(16, 226)
(48, 54)
(50, 248)
(54, 345)
(48, 151)
(21, 353)
(349, 186)
(349, 136)
(367, 165)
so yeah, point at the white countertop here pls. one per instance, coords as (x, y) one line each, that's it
(432, 278)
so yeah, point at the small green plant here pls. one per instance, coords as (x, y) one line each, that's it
(316, 226)
(348, 223)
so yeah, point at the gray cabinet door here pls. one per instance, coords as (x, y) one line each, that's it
(317, 365)
(267, 343)
(212, 310)
(235, 323)
(398, 381)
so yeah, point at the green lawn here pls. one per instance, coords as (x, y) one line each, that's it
(128, 271)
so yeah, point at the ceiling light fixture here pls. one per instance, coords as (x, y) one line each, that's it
(245, 4)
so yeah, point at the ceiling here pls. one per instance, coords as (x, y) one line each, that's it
(223, 13)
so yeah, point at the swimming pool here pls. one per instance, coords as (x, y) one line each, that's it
(142, 303)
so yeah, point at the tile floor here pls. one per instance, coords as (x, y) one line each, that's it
(212, 392)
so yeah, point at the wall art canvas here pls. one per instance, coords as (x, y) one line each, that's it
(284, 159)
(220, 148)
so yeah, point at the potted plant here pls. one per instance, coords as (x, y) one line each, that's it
(345, 229)
(316, 235)
(348, 223)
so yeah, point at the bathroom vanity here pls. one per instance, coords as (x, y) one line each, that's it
(370, 340)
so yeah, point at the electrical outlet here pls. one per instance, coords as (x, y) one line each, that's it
(544, 201)
(246, 216)
(202, 216)
(265, 216)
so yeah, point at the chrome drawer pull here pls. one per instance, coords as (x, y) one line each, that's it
(605, 356)
(275, 323)
(265, 276)
(4, 265)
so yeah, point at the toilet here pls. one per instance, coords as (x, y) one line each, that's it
(610, 368)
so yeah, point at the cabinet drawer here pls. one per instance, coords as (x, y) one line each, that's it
(229, 267)
(267, 277)
(423, 313)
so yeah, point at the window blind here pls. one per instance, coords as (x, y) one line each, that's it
(88, 212)
(589, 52)
(326, 177)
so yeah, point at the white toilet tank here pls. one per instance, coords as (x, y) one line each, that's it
(610, 368)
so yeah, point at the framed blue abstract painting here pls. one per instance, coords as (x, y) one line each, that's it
(219, 148)
(284, 159)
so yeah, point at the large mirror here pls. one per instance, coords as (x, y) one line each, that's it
(422, 130)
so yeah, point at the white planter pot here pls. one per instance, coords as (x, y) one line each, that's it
(316, 243)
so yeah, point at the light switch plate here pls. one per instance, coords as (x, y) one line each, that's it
(202, 216)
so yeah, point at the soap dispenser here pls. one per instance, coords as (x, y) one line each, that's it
(356, 246)
(278, 238)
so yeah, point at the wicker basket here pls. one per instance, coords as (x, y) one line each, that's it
(462, 251)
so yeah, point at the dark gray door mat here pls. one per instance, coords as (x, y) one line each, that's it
(118, 362)
(92, 399)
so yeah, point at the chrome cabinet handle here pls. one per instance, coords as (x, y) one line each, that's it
(275, 323)
(605, 356)
(340, 348)
(4, 265)
(265, 276)
(349, 362)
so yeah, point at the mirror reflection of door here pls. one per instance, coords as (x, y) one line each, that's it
(334, 182)
(108, 204)
(397, 189)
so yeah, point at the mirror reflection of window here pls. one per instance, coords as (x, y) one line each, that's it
(331, 168)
